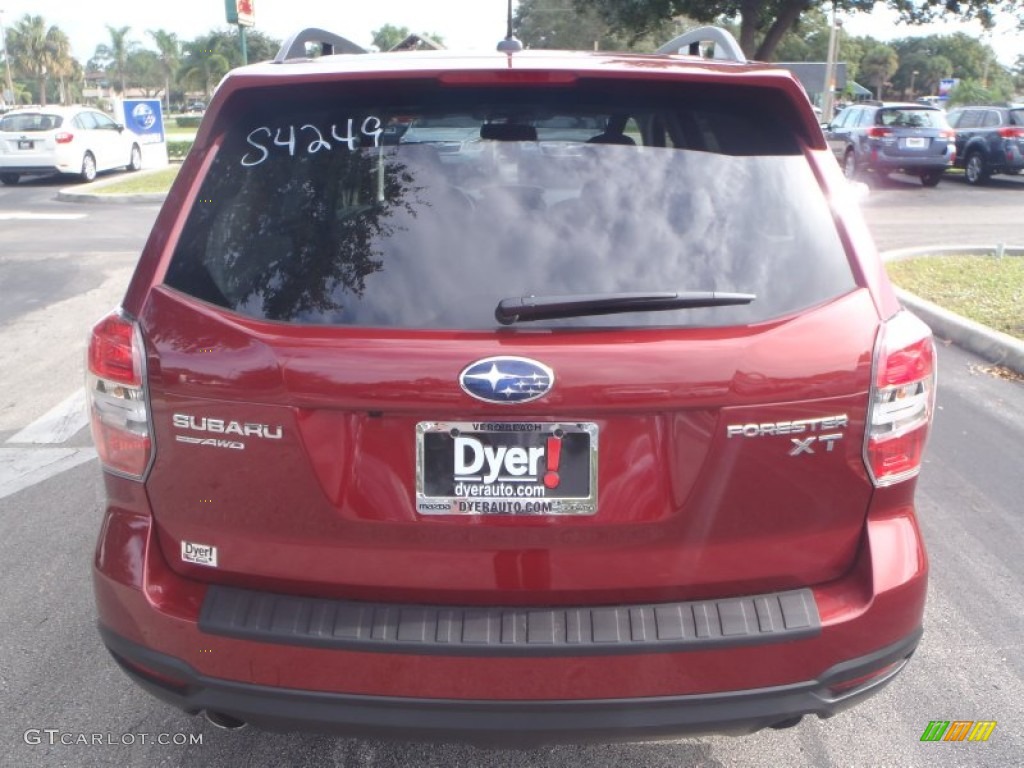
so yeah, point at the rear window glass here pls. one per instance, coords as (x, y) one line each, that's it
(911, 118)
(425, 209)
(30, 122)
(1017, 117)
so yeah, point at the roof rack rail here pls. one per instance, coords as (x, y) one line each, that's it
(295, 46)
(726, 47)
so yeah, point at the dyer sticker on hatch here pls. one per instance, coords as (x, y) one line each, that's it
(506, 468)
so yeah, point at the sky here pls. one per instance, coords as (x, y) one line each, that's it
(463, 23)
(477, 24)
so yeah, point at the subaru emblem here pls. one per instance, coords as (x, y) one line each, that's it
(506, 379)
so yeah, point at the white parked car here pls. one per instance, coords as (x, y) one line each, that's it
(73, 140)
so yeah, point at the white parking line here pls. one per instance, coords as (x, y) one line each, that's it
(21, 468)
(29, 216)
(22, 464)
(58, 424)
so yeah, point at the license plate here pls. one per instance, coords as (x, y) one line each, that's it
(916, 142)
(506, 468)
(25, 144)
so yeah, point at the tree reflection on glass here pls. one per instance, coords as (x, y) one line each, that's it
(294, 237)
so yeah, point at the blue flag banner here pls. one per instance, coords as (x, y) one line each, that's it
(144, 117)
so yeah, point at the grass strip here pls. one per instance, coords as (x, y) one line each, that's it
(986, 289)
(142, 183)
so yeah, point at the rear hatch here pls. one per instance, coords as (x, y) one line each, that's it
(336, 409)
(914, 134)
(27, 138)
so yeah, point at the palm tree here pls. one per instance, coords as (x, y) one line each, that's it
(879, 64)
(205, 63)
(27, 49)
(38, 52)
(169, 50)
(116, 54)
(59, 61)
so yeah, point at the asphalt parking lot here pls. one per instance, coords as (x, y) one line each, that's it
(64, 264)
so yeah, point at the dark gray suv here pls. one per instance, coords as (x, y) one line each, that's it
(989, 140)
(885, 138)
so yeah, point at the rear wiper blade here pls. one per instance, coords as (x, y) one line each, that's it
(514, 310)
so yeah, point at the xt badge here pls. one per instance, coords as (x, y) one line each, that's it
(806, 445)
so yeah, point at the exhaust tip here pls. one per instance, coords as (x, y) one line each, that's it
(223, 721)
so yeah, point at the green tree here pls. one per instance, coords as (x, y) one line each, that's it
(970, 57)
(974, 92)
(207, 58)
(919, 71)
(557, 24)
(1018, 74)
(851, 50)
(933, 71)
(259, 46)
(807, 40)
(764, 23)
(169, 52)
(205, 61)
(878, 65)
(935, 57)
(37, 52)
(554, 24)
(144, 71)
(61, 64)
(388, 36)
(26, 45)
(114, 57)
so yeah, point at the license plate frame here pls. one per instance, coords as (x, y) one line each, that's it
(28, 144)
(466, 468)
(915, 142)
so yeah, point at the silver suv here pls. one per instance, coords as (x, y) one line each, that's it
(885, 138)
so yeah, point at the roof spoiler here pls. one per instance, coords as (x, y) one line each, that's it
(725, 46)
(295, 46)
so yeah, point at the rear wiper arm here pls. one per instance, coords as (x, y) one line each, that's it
(514, 310)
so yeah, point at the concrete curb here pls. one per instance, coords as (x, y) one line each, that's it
(953, 250)
(995, 346)
(87, 193)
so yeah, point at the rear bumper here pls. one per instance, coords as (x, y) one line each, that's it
(158, 626)
(508, 723)
(887, 159)
(30, 170)
(883, 162)
(1011, 159)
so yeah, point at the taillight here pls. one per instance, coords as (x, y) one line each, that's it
(1011, 133)
(879, 133)
(948, 134)
(902, 400)
(64, 137)
(117, 396)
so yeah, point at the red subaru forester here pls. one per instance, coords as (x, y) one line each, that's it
(521, 397)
